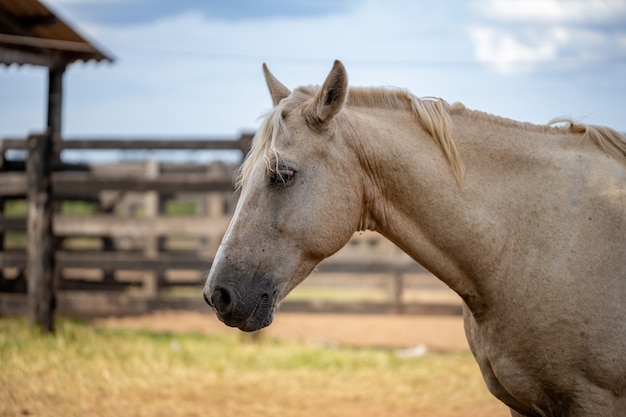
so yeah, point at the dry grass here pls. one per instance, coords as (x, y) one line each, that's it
(86, 370)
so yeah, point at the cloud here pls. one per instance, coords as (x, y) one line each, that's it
(521, 36)
(553, 11)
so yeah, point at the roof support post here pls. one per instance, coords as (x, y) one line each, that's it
(55, 103)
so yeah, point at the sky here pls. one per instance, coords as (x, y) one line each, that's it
(193, 68)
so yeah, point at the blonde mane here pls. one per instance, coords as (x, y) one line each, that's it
(432, 113)
(609, 140)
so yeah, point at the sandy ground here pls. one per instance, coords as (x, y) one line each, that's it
(435, 332)
(402, 331)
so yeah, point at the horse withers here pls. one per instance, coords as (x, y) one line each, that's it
(526, 223)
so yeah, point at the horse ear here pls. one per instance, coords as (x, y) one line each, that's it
(330, 98)
(277, 90)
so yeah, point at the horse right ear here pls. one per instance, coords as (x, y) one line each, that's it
(330, 98)
(277, 90)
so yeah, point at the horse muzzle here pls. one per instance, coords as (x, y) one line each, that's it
(246, 310)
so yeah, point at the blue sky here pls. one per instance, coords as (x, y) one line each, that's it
(193, 68)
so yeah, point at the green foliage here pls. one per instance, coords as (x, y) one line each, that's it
(19, 208)
(79, 208)
(15, 208)
(180, 208)
(14, 240)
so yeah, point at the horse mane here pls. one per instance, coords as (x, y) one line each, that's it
(609, 140)
(434, 115)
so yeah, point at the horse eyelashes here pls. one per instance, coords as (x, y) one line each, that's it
(282, 176)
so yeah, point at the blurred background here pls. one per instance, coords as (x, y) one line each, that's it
(147, 109)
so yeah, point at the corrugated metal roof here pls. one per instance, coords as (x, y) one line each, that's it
(32, 34)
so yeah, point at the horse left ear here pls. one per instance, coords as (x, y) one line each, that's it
(330, 98)
(278, 91)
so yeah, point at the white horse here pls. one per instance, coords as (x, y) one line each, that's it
(526, 223)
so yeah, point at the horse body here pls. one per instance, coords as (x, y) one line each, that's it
(531, 242)
(550, 333)
(532, 234)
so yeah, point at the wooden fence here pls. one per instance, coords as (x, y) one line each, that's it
(51, 252)
(129, 240)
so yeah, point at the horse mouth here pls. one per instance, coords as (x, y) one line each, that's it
(261, 317)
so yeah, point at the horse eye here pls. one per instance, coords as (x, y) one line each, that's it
(282, 176)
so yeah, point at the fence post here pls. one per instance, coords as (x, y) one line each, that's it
(214, 210)
(2, 217)
(396, 292)
(55, 105)
(245, 142)
(40, 251)
(151, 249)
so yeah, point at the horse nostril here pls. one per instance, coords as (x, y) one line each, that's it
(221, 300)
(206, 299)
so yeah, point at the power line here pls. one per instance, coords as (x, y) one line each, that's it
(383, 62)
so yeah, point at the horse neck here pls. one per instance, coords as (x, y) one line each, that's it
(413, 198)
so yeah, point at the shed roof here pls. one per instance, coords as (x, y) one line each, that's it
(30, 33)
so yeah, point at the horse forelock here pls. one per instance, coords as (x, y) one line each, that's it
(264, 141)
(432, 113)
(263, 144)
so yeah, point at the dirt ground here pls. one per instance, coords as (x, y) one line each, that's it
(397, 331)
(368, 330)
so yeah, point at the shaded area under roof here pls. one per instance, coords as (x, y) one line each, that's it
(32, 34)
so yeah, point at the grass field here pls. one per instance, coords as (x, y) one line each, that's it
(87, 370)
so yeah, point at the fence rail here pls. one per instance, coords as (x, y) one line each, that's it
(68, 185)
(242, 143)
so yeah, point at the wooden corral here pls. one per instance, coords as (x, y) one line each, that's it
(129, 201)
(154, 227)
(126, 228)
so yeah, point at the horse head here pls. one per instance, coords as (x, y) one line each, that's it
(301, 200)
